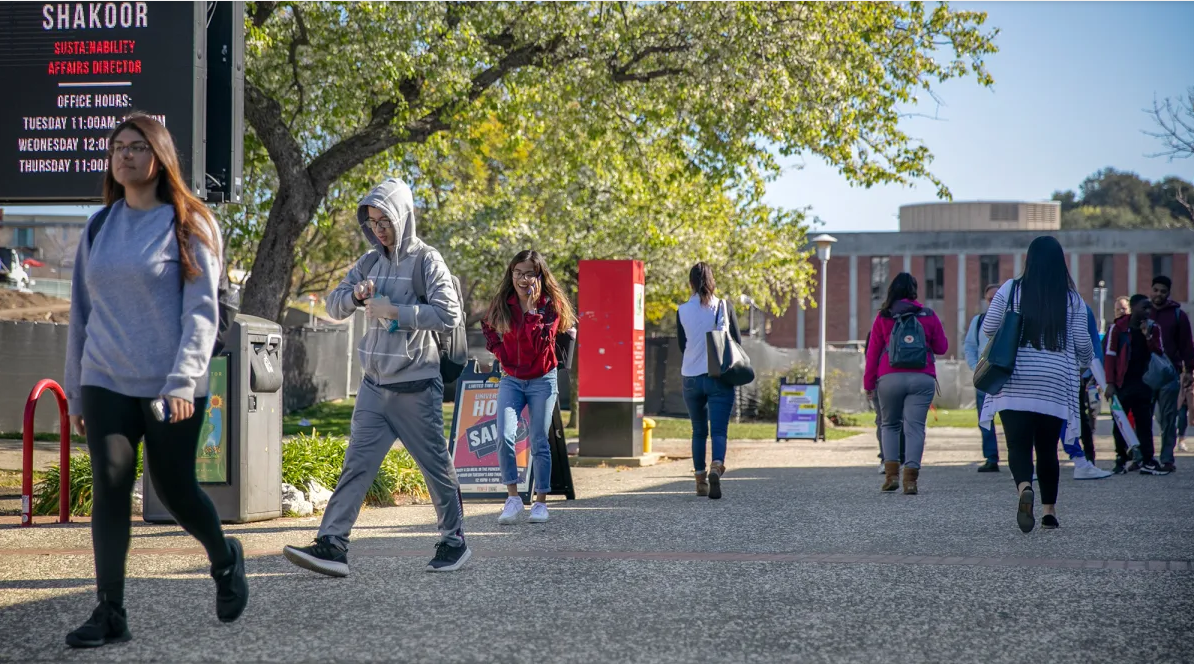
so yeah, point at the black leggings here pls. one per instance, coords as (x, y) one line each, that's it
(115, 425)
(1024, 432)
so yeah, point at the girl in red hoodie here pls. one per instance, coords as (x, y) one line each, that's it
(900, 370)
(520, 330)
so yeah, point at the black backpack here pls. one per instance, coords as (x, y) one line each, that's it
(227, 307)
(907, 347)
(453, 344)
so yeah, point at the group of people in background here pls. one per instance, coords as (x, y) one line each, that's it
(1146, 356)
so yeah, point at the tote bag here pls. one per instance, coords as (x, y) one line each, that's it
(998, 360)
(727, 361)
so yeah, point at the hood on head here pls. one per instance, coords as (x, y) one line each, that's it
(394, 198)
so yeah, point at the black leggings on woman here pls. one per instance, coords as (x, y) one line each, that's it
(115, 426)
(1025, 432)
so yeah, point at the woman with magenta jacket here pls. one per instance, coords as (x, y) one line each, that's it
(905, 391)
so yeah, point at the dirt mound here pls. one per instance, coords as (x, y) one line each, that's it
(33, 307)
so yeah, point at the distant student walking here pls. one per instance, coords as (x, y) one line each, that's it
(709, 400)
(900, 370)
(1131, 343)
(143, 325)
(973, 348)
(520, 328)
(1042, 393)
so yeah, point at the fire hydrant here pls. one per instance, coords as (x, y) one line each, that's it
(648, 424)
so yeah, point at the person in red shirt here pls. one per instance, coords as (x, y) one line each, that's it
(520, 329)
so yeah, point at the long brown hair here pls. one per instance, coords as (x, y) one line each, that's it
(499, 317)
(700, 278)
(191, 216)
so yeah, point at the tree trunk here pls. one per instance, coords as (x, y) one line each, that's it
(269, 279)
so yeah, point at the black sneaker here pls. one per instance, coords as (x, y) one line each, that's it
(989, 467)
(325, 555)
(1169, 467)
(1049, 522)
(1024, 516)
(232, 586)
(1151, 467)
(449, 558)
(1134, 467)
(108, 624)
(1119, 468)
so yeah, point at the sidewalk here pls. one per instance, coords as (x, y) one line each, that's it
(803, 560)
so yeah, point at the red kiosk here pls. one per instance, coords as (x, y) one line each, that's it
(612, 353)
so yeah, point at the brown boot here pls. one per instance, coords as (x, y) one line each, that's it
(910, 475)
(702, 484)
(891, 475)
(716, 470)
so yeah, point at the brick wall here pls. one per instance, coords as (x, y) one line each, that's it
(1180, 276)
(1086, 274)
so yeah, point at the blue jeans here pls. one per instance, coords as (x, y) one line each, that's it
(540, 395)
(990, 442)
(709, 404)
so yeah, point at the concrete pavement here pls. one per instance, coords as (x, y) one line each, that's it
(803, 560)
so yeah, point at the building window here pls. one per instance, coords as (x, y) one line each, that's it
(880, 274)
(934, 286)
(1162, 265)
(22, 237)
(1005, 212)
(988, 273)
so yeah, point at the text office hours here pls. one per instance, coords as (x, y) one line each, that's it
(858, 284)
(80, 68)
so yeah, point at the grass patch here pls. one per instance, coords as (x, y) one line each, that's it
(42, 436)
(965, 419)
(334, 418)
(320, 458)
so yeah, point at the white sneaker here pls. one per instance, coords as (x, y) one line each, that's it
(882, 468)
(511, 511)
(1181, 445)
(1089, 471)
(538, 513)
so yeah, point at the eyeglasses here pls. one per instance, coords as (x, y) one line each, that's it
(381, 224)
(138, 148)
(519, 275)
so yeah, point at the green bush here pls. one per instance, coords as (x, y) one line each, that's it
(45, 492)
(311, 456)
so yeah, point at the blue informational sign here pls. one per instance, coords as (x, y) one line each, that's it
(799, 410)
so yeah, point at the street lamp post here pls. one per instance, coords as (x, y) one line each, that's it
(1101, 294)
(824, 244)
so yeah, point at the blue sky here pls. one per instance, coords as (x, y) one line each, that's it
(1071, 80)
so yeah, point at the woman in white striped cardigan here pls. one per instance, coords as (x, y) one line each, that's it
(1040, 401)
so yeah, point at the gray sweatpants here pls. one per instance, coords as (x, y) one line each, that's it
(905, 399)
(416, 419)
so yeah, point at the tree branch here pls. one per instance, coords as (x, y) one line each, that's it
(265, 115)
(262, 12)
(300, 39)
(1176, 131)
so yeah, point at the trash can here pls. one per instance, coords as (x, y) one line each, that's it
(239, 455)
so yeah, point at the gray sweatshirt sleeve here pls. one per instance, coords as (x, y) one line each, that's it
(442, 311)
(80, 310)
(340, 303)
(200, 318)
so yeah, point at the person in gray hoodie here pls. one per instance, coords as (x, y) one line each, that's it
(401, 393)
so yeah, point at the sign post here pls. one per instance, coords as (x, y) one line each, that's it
(612, 351)
(798, 416)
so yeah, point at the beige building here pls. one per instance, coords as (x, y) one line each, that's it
(981, 216)
(51, 239)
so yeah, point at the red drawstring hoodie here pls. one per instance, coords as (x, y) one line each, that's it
(528, 350)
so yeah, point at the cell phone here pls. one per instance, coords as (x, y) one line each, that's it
(161, 409)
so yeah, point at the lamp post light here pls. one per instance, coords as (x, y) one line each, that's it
(824, 244)
(750, 313)
(1101, 294)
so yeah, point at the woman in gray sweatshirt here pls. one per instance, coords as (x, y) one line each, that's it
(142, 329)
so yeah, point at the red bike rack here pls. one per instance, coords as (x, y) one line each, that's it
(64, 454)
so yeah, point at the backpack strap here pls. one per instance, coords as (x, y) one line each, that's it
(419, 277)
(96, 224)
(368, 261)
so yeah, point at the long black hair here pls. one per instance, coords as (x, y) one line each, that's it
(1045, 289)
(700, 279)
(903, 287)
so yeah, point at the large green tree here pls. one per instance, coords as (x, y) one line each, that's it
(1121, 199)
(708, 92)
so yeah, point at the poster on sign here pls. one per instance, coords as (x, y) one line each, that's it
(799, 406)
(475, 439)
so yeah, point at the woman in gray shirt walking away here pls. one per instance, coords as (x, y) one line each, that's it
(1040, 400)
(143, 325)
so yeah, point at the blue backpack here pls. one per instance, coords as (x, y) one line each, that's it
(907, 347)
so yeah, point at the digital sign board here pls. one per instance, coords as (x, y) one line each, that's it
(71, 71)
